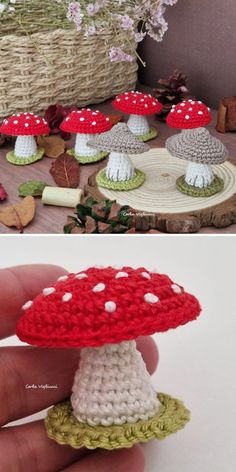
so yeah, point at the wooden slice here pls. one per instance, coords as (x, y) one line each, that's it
(159, 205)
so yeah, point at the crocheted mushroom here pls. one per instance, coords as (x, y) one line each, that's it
(84, 123)
(25, 126)
(102, 311)
(120, 173)
(195, 144)
(138, 105)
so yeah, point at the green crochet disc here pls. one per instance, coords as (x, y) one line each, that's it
(24, 161)
(64, 428)
(216, 186)
(153, 133)
(131, 184)
(88, 159)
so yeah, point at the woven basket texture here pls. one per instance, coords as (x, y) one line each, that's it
(61, 65)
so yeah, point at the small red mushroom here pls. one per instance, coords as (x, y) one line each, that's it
(138, 105)
(103, 311)
(25, 126)
(84, 123)
(189, 114)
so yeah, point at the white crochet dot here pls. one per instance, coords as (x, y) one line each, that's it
(120, 275)
(151, 298)
(26, 125)
(16, 122)
(187, 117)
(134, 101)
(178, 111)
(81, 276)
(79, 111)
(199, 101)
(107, 119)
(190, 109)
(110, 307)
(5, 122)
(62, 278)
(27, 305)
(94, 113)
(118, 99)
(172, 110)
(208, 108)
(82, 118)
(146, 275)
(67, 297)
(142, 100)
(182, 104)
(146, 105)
(126, 98)
(37, 121)
(67, 119)
(200, 112)
(99, 288)
(94, 123)
(48, 291)
(28, 118)
(176, 288)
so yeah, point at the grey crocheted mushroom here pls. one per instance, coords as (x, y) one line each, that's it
(120, 142)
(201, 149)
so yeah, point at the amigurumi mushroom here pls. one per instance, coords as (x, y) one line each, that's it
(25, 126)
(138, 105)
(120, 173)
(196, 145)
(86, 123)
(102, 311)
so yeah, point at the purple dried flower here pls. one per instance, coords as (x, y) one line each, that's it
(74, 14)
(117, 55)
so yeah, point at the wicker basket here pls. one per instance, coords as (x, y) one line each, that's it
(63, 66)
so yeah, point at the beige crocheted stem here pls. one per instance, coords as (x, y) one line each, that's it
(61, 66)
(63, 427)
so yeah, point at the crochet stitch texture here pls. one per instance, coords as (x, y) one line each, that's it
(119, 139)
(100, 306)
(137, 103)
(19, 161)
(123, 185)
(216, 186)
(62, 426)
(189, 114)
(24, 124)
(197, 145)
(86, 121)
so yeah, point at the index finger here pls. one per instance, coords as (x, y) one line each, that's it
(19, 284)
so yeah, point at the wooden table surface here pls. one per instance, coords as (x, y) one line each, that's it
(51, 219)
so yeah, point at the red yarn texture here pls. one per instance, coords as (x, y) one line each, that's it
(86, 121)
(137, 103)
(83, 321)
(24, 124)
(189, 114)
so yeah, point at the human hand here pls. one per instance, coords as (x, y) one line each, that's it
(27, 448)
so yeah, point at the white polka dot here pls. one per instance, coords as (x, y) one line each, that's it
(146, 105)
(67, 119)
(134, 101)
(94, 123)
(200, 112)
(179, 111)
(67, 297)
(107, 119)
(187, 117)
(118, 99)
(199, 102)
(208, 108)
(190, 109)
(126, 98)
(146, 275)
(28, 118)
(120, 275)
(27, 305)
(81, 276)
(172, 110)
(151, 298)
(176, 288)
(99, 288)
(37, 121)
(94, 113)
(142, 100)
(79, 111)
(5, 122)
(62, 278)
(82, 118)
(16, 122)
(154, 103)
(26, 125)
(182, 104)
(110, 307)
(48, 291)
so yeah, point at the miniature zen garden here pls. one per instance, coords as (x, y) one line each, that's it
(98, 161)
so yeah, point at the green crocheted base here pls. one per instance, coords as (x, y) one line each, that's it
(131, 184)
(64, 428)
(24, 161)
(153, 133)
(88, 159)
(216, 186)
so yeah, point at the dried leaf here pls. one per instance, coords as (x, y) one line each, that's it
(19, 215)
(34, 188)
(114, 119)
(3, 193)
(53, 146)
(65, 171)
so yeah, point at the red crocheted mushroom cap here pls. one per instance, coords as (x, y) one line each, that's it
(100, 306)
(86, 121)
(189, 114)
(24, 124)
(137, 103)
